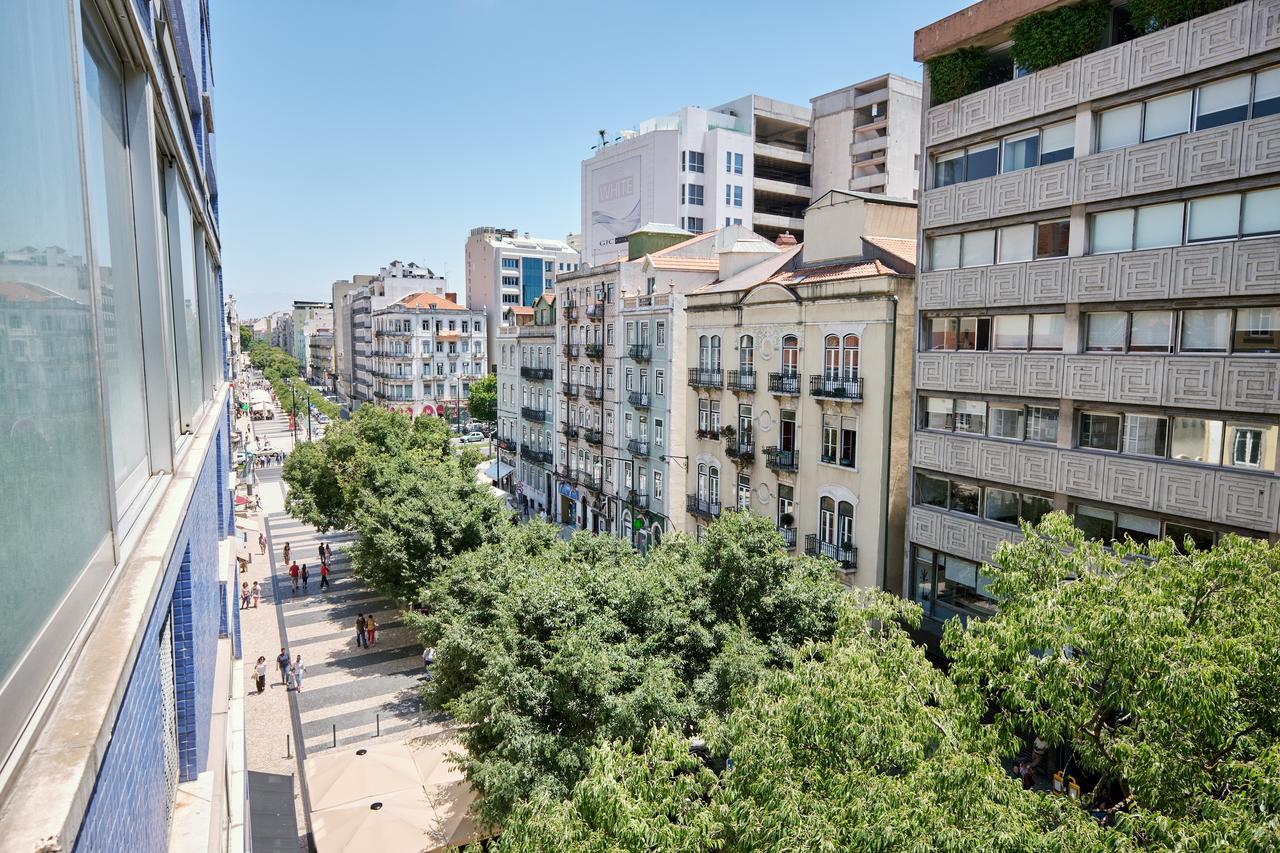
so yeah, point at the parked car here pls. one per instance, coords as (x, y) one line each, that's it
(473, 438)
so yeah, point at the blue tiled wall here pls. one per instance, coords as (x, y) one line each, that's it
(130, 806)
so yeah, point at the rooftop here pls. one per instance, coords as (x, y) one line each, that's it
(430, 302)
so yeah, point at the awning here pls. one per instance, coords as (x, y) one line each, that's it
(496, 470)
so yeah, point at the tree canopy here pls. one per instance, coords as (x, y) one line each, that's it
(482, 401)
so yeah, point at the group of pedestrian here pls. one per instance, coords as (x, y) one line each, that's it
(270, 457)
(302, 574)
(366, 631)
(249, 595)
(291, 671)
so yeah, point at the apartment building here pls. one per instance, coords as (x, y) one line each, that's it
(320, 369)
(527, 397)
(799, 377)
(307, 316)
(343, 356)
(506, 269)
(746, 162)
(866, 138)
(121, 673)
(393, 283)
(427, 350)
(1099, 296)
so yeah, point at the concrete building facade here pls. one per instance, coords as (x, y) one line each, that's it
(307, 315)
(393, 283)
(1099, 299)
(120, 667)
(527, 394)
(866, 138)
(320, 366)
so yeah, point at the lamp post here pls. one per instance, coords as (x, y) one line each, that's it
(293, 409)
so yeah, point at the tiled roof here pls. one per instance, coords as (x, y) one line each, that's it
(897, 247)
(21, 290)
(522, 310)
(833, 272)
(423, 299)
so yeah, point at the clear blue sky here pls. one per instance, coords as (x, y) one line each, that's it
(351, 133)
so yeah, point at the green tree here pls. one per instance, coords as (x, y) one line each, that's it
(1158, 663)
(482, 402)
(246, 338)
(545, 647)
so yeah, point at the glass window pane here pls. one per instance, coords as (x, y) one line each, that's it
(1145, 435)
(1001, 506)
(1266, 92)
(1150, 331)
(1035, 508)
(964, 498)
(1096, 523)
(971, 416)
(1058, 143)
(1223, 102)
(1207, 330)
(948, 169)
(1021, 152)
(111, 226)
(1119, 127)
(1257, 330)
(944, 252)
(1017, 243)
(1262, 212)
(1201, 539)
(1053, 239)
(968, 336)
(1105, 331)
(1099, 431)
(1251, 446)
(1159, 225)
(1139, 528)
(937, 412)
(1042, 424)
(1111, 231)
(979, 249)
(1196, 440)
(942, 333)
(1046, 331)
(1010, 331)
(980, 162)
(1167, 116)
(931, 491)
(1214, 218)
(52, 448)
(1006, 422)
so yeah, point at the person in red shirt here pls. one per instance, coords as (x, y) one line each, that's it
(324, 575)
(293, 573)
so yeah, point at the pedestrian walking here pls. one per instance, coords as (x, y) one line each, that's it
(291, 677)
(256, 592)
(372, 628)
(298, 670)
(282, 661)
(260, 673)
(322, 557)
(328, 552)
(286, 552)
(362, 640)
(244, 595)
(293, 573)
(324, 576)
(262, 543)
(305, 577)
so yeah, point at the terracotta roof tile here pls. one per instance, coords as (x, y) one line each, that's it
(422, 299)
(897, 247)
(833, 272)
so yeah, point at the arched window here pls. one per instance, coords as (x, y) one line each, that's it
(849, 358)
(715, 352)
(704, 352)
(790, 356)
(713, 485)
(827, 521)
(746, 354)
(831, 357)
(702, 481)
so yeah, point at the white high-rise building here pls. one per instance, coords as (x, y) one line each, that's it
(505, 269)
(866, 138)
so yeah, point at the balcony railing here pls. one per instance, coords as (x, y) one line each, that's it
(742, 380)
(704, 507)
(640, 352)
(784, 383)
(570, 389)
(639, 500)
(594, 350)
(835, 388)
(591, 481)
(739, 449)
(595, 310)
(569, 475)
(572, 350)
(531, 414)
(638, 446)
(847, 557)
(542, 457)
(592, 392)
(570, 430)
(594, 436)
(638, 399)
(704, 377)
(788, 536)
(536, 372)
(569, 311)
(505, 443)
(780, 460)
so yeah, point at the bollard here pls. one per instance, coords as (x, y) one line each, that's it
(335, 735)
(287, 752)
(377, 718)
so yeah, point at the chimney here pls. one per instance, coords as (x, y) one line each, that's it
(786, 239)
(453, 297)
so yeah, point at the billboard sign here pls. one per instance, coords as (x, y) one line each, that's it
(614, 204)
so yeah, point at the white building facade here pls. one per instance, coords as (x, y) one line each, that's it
(427, 350)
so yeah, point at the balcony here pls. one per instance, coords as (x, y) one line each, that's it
(780, 460)
(595, 311)
(569, 475)
(742, 380)
(743, 450)
(569, 430)
(703, 377)
(569, 389)
(392, 375)
(594, 351)
(571, 350)
(788, 536)
(540, 457)
(639, 399)
(640, 352)
(847, 557)
(531, 414)
(835, 388)
(594, 436)
(592, 392)
(380, 353)
(702, 507)
(590, 481)
(638, 446)
(535, 372)
(385, 333)
(507, 444)
(639, 500)
(569, 311)
(784, 383)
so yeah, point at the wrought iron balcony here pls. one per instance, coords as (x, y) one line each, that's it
(536, 372)
(591, 481)
(570, 430)
(739, 449)
(569, 311)
(638, 399)
(595, 310)
(569, 475)
(594, 436)
(788, 536)
(742, 380)
(594, 350)
(572, 350)
(531, 414)
(846, 556)
(835, 387)
(638, 446)
(639, 500)
(784, 383)
(640, 352)
(780, 460)
(507, 444)
(703, 507)
(703, 377)
(593, 392)
(541, 457)
(569, 389)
